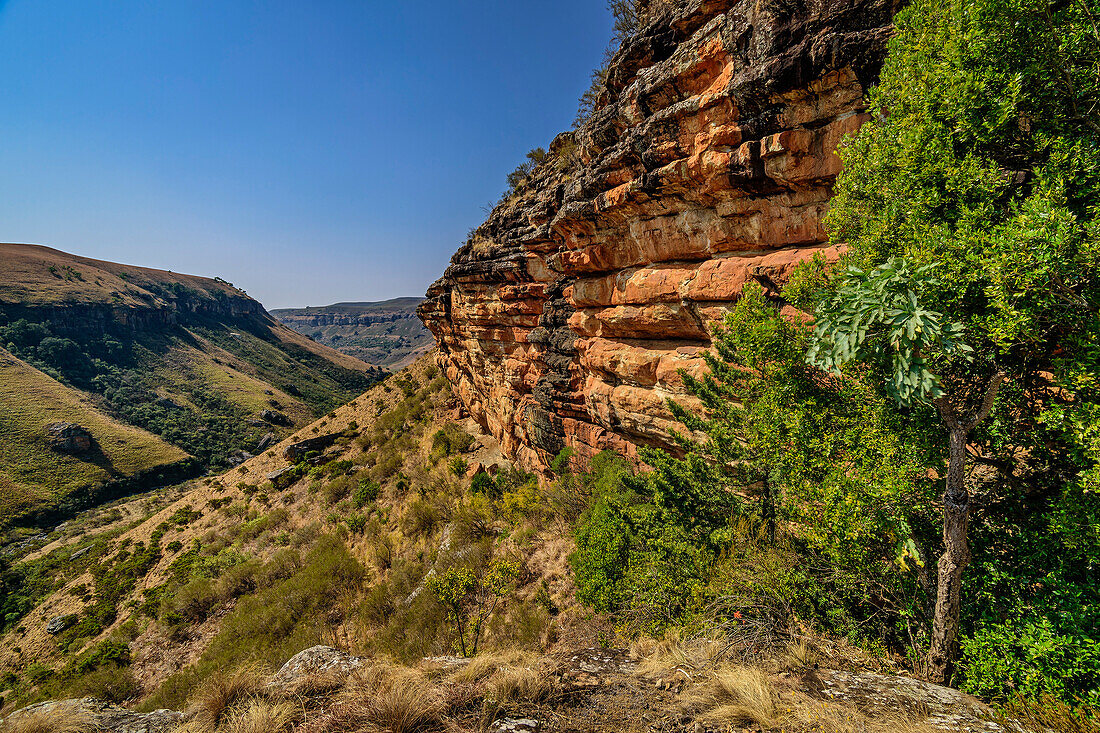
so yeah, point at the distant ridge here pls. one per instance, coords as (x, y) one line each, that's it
(384, 333)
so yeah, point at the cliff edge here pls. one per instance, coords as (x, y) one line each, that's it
(709, 161)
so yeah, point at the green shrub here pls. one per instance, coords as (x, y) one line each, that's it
(366, 491)
(191, 603)
(1029, 657)
(356, 523)
(336, 489)
(482, 483)
(449, 440)
(458, 465)
(421, 517)
(112, 683)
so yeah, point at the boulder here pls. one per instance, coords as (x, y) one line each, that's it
(238, 457)
(296, 451)
(69, 437)
(882, 695)
(316, 660)
(166, 404)
(266, 442)
(275, 418)
(57, 624)
(281, 478)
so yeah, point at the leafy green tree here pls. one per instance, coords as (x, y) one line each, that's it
(970, 206)
(875, 316)
(470, 599)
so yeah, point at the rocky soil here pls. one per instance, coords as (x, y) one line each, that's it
(592, 690)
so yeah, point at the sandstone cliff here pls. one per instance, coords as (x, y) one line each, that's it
(709, 161)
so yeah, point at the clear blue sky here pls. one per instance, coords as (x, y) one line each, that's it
(310, 151)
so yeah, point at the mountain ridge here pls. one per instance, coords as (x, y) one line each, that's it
(385, 333)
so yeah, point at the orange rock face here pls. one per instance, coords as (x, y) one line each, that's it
(709, 162)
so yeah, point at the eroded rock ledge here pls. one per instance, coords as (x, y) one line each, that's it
(709, 162)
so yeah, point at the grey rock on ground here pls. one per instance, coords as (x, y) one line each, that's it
(103, 716)
(879, 694)
(266, 442)
(57, 624)
(315, 660)
(516, 725)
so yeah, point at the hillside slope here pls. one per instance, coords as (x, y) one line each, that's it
(190, 359)
(385, 333)
(218, 585)
(34, 474)
(400, 440)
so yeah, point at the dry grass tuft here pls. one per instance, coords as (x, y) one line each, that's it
(260, 716)
(485, 665)
(394, 699)
(737, 696)
(677, 653)
(219, 692)
(519, 685)
(47, 721)
(801, 654)
(315, 684)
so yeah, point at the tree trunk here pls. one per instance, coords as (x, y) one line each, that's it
(956, 555)
(944, 650)
(769, 510)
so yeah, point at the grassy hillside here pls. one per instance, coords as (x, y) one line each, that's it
(191, 359)
(33, 275)
(32, 474)
(386, 333)
(383, 495)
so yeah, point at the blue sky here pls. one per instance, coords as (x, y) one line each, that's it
(310, 151)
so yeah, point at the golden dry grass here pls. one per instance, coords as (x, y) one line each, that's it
(394, 699)
(737, 696)
(316, 684)
(677, 654)
(58, 720)
(485, 665)
(801, 654)
(519, 685)
(218, 693)
(260, 716)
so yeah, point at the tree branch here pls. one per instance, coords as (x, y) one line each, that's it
(990, 397)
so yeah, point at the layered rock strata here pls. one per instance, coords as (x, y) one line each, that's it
(709, 162)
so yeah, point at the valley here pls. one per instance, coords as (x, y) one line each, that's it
(198, 369)
(386, 334)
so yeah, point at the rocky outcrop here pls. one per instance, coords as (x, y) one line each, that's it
(709, 162)
(297, 451)
(69, 437)
(317, 660)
